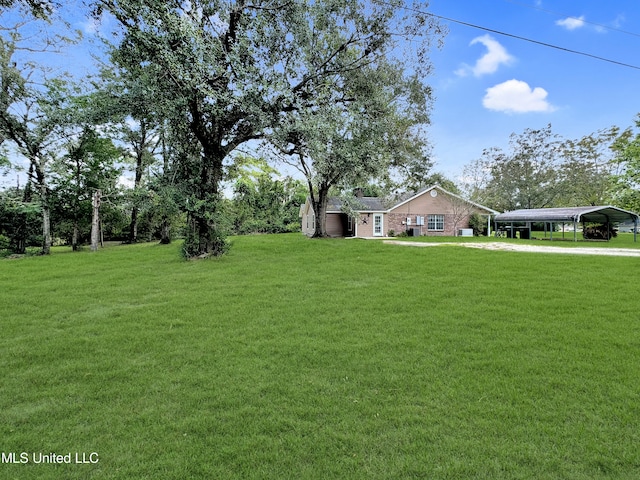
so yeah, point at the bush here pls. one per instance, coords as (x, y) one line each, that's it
(479, 224)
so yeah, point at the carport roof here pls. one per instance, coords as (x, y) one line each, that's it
(601, 214)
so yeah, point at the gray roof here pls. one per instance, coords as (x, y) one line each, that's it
(599, 214)
(377, 204)
(369, 204)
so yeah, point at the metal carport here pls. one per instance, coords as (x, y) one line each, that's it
(604, 214)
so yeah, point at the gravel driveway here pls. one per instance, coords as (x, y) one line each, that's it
(514, 247)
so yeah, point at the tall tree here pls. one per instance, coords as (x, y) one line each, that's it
(89, 165)
(586, 171)
(32, 114)
(120, 101)
(143, 140)
(627, 158)
(366, 129)
(28, 119)
(527, 175)
(230, 71)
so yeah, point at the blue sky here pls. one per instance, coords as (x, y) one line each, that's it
(488, 86)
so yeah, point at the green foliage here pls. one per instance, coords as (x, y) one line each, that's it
(627, 182)
(225, 73)
(586, 172)
(263, 205)
(479, 224)
(160, 206)
(35, 117)
(526, 176)
(543, 170)
(38, 8)
(19, 220)
(89, 165)
(208, 227)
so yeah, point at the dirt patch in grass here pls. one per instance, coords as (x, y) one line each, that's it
(513, 247)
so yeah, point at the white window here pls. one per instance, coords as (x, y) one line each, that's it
(349, 223)
(435, 223)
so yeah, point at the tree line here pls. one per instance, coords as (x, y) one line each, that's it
(541, 169)
(185, 87)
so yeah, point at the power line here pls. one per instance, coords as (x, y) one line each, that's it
(511, 35)
(614, 29)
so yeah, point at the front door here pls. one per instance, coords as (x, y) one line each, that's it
(377, 225)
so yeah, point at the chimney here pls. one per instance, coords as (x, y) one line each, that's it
(358, 193)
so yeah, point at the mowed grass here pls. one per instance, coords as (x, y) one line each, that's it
(298, 358)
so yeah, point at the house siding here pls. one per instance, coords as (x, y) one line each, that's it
(307, 221)
(365, 225)
(425, 205)
(334, 225)
(455, 210)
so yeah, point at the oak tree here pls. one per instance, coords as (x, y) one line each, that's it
(230, 72)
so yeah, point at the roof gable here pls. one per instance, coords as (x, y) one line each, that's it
(377, 204)
(408, 197)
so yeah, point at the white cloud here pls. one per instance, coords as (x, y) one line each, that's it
(89, 27)
(496, 55)
(571, 23)
(516, 96)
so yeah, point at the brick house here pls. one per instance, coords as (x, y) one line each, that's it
(430, 211)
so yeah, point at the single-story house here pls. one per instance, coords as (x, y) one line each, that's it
(430, 211)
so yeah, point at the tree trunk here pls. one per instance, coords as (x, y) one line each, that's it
(95, 221)
(133, 226)
(21, 242)
(206, 236)
(165, 231)
(38, 165)
(46, 221)
(46, 230)
(74, 237)
(320, 213)
(22, 222)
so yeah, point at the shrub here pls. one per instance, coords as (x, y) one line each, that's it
(478, 223)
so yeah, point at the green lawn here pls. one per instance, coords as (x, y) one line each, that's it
(297, 358)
